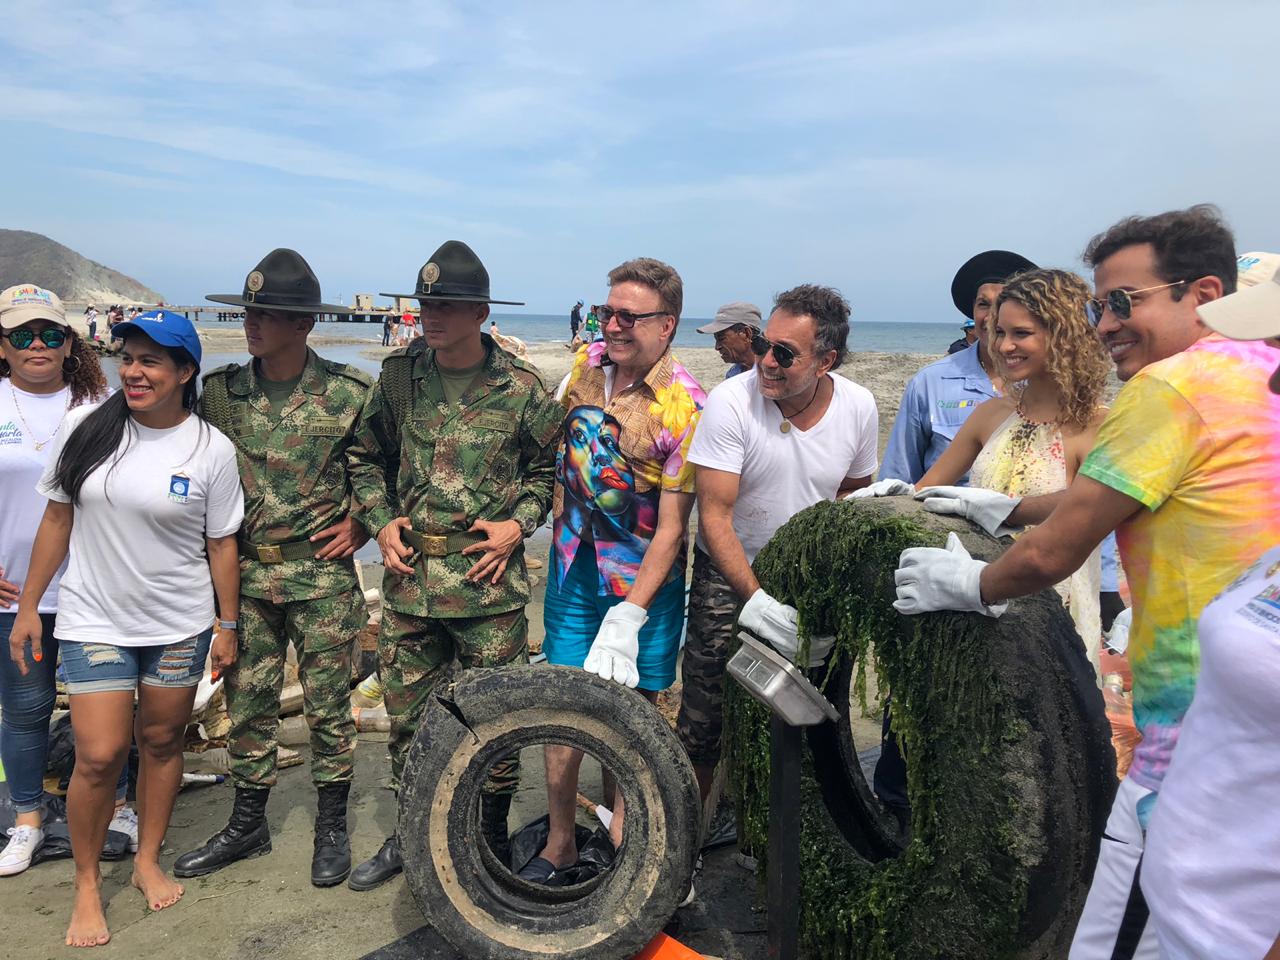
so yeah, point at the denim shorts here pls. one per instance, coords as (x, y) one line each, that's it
(106, 668)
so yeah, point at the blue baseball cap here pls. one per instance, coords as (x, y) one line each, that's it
(166, 328)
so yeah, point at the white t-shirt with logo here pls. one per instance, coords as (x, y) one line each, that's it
(26, 419)
(1211, 870)
(138, 574)
(782, 473)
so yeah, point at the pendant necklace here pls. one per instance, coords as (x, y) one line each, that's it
(39, 444)
(785, 426)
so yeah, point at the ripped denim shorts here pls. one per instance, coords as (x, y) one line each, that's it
(105, 667)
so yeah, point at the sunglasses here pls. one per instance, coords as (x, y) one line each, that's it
(626, 319)
(52, 337)
(1120, 302)
(785, 356)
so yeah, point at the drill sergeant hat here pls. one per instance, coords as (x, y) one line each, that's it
(454, 272)
(282, 280)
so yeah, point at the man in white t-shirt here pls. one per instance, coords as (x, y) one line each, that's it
(772, 442)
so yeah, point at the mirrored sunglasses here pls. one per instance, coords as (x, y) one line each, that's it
(22, 339)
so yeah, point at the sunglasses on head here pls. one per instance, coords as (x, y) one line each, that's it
(52, 337)
(784, 355)
(626, 319)
(1120, 302)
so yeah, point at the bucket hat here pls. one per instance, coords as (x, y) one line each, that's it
(282, 280)
(454, 272)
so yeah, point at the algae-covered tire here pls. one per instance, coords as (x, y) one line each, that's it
(480, 907)
(1010, 768)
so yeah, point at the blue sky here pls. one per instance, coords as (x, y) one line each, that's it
(752, 145)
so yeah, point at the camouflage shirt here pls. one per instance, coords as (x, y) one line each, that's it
(294, 471)
(490, 456)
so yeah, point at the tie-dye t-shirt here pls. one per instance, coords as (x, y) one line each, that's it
(1195, 439)
(620, 453)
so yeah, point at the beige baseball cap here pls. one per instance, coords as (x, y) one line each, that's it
(1253, 311)
(732, 314)
(26, 302)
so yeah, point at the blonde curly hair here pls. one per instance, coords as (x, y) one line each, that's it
(1076, 359)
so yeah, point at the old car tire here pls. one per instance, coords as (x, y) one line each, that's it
(1050, 775)
(482, 908)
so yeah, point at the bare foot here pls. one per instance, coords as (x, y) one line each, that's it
(160, 889)
(88, 922)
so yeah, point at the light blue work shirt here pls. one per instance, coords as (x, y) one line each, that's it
(936, 403)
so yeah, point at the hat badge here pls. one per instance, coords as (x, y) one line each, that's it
(255, 281)
(430, 274)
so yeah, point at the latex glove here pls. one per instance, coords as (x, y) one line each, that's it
(614, 651)
(986, 508)
(883, 488)
(1118, 638)
(930, 579)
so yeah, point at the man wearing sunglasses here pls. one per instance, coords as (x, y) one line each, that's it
(1184, 470)
(623, 494)
(771, 442)
(735, 326)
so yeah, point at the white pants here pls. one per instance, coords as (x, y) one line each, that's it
(1114, 924)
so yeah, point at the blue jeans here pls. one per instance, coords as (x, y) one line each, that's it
(107, 668)
(26, 704)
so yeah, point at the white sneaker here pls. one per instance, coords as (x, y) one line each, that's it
(125, 821)
(17, 853)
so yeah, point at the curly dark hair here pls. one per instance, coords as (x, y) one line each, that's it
(1189, 244)
(81, 371)
(829, 310)
(1075, 357)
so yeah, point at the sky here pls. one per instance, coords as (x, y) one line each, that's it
(754, 145)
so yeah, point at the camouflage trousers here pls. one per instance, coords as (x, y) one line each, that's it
(416, 653)
(322, 632)
(713, 617)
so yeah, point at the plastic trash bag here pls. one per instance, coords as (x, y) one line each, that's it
(595, 851)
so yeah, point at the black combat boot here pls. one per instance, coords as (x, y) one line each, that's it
(379, 868)
(331, 859)
(494, 808)
(245, 835)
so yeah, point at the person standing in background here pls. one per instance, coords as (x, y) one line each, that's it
(575, 321)
(735, 326)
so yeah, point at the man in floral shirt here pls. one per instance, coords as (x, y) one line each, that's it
(624, 490)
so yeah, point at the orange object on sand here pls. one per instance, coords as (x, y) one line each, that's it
(663, 947)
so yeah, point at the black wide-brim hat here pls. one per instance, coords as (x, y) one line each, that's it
(991, 266)
(454, 272)
(282, 280)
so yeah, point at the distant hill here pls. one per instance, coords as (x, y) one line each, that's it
(32, 258)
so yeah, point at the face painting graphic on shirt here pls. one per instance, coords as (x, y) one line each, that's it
(600, 498)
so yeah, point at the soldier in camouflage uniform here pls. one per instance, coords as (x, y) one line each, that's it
(292, 416)
(453, 466)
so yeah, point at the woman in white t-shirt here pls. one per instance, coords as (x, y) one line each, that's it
(1211, 864)
(145, 498)
(45, 370)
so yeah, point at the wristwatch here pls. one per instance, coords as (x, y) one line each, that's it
(228, 624)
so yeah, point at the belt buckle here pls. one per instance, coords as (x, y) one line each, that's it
(270, 554)
(435, 546)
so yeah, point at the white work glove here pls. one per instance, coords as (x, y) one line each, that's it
(614, 651)
(883, 488)
(930, 579)
(1118, 638)
(986, 508)
(778, 625)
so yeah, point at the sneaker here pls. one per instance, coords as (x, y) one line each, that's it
(126, 821)
(17, 853)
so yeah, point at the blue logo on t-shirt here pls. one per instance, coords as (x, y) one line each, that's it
(9, 433)
(179, 488)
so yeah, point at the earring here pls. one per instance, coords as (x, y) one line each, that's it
(70, 370)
